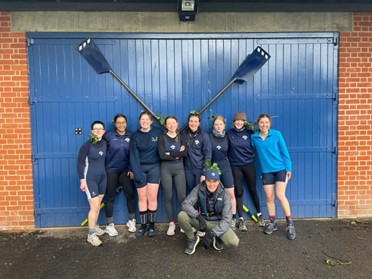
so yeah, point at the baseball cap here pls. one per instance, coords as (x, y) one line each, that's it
(212, 174)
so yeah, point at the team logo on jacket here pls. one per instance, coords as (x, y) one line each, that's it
(218, 147)
(197, 142)
(172, 146)
(154, 139)
(100, 153)
(245, 137)
(127, 139)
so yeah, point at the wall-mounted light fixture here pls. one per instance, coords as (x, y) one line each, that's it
(187, 9)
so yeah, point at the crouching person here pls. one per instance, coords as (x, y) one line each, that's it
(208, 209)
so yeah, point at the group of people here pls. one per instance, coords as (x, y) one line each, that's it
(210, 199)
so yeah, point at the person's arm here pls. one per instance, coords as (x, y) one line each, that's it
(284, 152)
(182, 152)
(226, 218)
(164, 156)
(188, 205)
(83, 153)
(134, 160)
(207, 150)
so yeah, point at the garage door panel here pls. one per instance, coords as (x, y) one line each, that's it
(174, 74)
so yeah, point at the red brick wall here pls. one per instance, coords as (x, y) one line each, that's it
(355, 119)
(16, 185)
(354, 141)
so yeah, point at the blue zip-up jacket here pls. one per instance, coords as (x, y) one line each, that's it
(143, 149)
(199, 150)
(272, 152)
(240, 149)
(117, 158)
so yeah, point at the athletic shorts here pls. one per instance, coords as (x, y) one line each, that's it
(272, 177)
(227, 178)
(95, 187)
(151, 174)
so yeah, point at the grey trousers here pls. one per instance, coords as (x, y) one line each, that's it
(172, 173)
(229, 238)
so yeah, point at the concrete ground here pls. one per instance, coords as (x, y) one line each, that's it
(323, 249)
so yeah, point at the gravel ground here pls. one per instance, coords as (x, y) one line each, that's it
(64, 253)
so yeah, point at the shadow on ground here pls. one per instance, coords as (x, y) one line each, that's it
(322, 249)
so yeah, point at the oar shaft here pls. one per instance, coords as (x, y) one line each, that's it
(217, 95)
(131, 92)
(213, 99)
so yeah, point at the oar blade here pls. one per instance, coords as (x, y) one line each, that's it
(90, 51)
(251, 64)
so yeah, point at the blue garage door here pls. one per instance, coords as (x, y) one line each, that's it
(174, 74)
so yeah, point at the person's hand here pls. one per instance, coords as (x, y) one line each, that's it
(130, 174)
(288, 176)
(207, 239)
(83, 185)
(202, 178)
(202, 223)
(182, 148)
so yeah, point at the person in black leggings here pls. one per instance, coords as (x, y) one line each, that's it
(172, 149)
(118, 173)
(241, 157)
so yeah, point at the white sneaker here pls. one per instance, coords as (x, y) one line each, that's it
(193, 230)
(131, 224)
(200, 233)
(94, 240)
(110, 230)
(171, 229)
(98, 230)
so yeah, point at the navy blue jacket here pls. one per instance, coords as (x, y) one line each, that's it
(199, 150)
(117, 158)
(240, 151)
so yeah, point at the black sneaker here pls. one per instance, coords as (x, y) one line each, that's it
(141, 232)
(217, 243)
(291, 232)
(191, 245)
(151, 232)
(270, 228)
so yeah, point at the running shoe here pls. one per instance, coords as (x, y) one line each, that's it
(110, 230)
(94, 239)
(191, 245)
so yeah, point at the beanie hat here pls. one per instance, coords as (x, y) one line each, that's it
(240, 116)
(212, 174)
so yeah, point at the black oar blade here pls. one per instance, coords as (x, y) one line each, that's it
(251, 64)
(90, 51)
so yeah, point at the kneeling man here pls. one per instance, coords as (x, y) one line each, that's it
(208, 209)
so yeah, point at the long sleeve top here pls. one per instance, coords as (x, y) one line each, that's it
(143, 149)
(169, 148)
(240, 149)
(117, 158)
(272, 152)
(199, 150)
(91, 160)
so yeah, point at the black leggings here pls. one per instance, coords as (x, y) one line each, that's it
(115, 179)
(249, 173)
